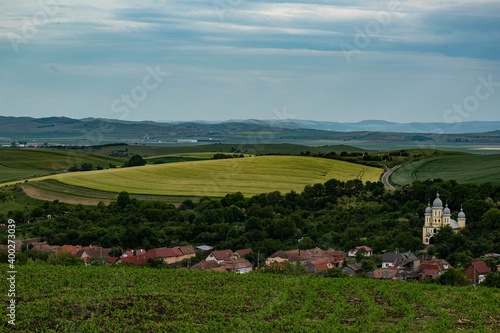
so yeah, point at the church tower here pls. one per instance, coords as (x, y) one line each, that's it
(437, 217)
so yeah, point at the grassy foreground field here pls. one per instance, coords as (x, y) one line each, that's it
(249, 175)
(464, 169)
(130, 299)
(17, 164)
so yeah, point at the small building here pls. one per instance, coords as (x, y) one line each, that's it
(389, 258)
(242, 253)
(368, 251)
(352, 269)
(169, 255)
(433, 268)
(476, 271)
(87, 253)
(136, 260)
(188, 251)
(220, 256)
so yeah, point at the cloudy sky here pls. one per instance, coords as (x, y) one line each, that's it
(346, 61)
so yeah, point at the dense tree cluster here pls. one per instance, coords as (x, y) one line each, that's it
(334, 215)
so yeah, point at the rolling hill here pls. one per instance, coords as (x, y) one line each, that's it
(216, 178)
(463, 169)
(17, 164)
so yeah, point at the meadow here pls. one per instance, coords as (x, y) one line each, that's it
(131, 299)
(18, 164)
(463, 169)
(216, 178)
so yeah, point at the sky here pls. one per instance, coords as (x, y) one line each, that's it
(344, 61)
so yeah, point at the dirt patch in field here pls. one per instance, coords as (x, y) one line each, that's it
(69, 199)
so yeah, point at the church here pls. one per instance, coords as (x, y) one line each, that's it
(437, 217)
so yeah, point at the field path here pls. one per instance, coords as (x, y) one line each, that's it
(39, 194)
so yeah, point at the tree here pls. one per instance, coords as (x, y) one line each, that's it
(135, 160)
(492, 280)
(453, 277)
(123, 199)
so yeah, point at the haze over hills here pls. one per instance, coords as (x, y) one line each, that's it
(93, 131)
(375, 125)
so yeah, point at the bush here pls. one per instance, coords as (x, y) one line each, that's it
(492, 280)
(335, 273)
(453, 277)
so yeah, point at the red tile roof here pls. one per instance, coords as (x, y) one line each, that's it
(136, 260)
(367, 249)
(164, 253)
(222, 254)
(481, 267)
(243, 252)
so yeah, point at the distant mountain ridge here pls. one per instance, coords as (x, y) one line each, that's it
(91, 131)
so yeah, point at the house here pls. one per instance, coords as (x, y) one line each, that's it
(72, 249)
(234, 264)
(188, 251)
(206, 265)
(433, 268)
(87, 253)
(220, 256)
(385, 274)
(368, 251)
(242, 253)
(140, 252)
(127, 254)
(169, 255)
(317, 266)
(136, 260)
(389, 258)
(112, 260)
(476, 271)
(492, 255)
(352, 269)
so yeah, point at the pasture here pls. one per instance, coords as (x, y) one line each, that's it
(216, 178)
(130, 299)
(18, 164)
(463, 169)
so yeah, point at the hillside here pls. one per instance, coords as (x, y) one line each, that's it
(463, 169)
(127, 299)
(17, 164)
(91, 131)
(249, 175)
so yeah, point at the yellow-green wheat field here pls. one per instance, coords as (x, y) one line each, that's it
(249, 175)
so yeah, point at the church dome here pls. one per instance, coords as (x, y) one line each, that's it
(461, 215)
(446, 211)
(437, 202)
(428, 210)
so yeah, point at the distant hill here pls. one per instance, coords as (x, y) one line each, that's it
(386, 126)
(92, 131)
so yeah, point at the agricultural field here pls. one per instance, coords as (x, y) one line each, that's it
(131, 299)
(216, 178)
(18, 164)
(463, 169)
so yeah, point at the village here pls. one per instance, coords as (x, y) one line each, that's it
(389, 266)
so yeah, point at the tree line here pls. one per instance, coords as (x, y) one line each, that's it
(334, 215)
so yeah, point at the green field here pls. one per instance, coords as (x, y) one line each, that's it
(249, 175)
(18, 164)
(463, 169)
(129, 299)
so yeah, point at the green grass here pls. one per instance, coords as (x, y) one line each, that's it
(18, 164)
(464, 169)
(129, 299)
(17, 200)
(249, 175)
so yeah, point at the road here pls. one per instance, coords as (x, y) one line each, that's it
(387, 174)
